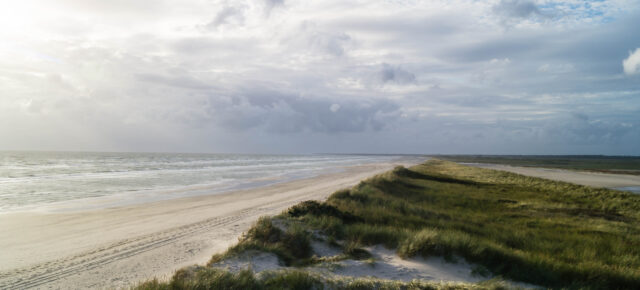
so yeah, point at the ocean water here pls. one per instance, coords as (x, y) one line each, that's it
(82, 180)
(634, 189)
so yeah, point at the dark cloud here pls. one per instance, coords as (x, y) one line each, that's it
(512, 46)
(322, 40)
(602, 48)
(271, 4)
(421, 27)
(288, 114)
(480, 101)
(517, 8)
(579, 129)
(395, 74)
(554, 61)
(228, 15)
(580, 116)
(181, 81)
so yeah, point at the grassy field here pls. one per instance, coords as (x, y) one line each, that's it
(532, 230)
(608, 164)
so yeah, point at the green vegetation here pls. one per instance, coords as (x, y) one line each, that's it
(212, 278)
(542, 232)
(608, 164)
(293, 247)
(205, 278)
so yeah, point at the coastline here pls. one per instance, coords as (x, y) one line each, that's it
(69, 181)
(594, 179)
(118, 247)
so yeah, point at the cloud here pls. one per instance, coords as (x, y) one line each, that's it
(180, 81)
(395, 74)
(321, 76)
(311, 35)
(228, 15)
(289, 114)
(272, 4)
(331, 43)
(631, 65)
(517, 8)
(580, 129)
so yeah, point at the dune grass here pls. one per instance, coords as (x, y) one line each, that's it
(527, 229)
(292, 246)
(543, 232)
(205, 278)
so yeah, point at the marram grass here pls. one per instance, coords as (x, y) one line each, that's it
(546, 233)
(211, 278)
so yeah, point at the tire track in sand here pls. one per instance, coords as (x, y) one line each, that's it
(43, 273)
(48, 273)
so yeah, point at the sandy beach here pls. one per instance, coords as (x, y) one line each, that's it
(594, 179)
(117, 247)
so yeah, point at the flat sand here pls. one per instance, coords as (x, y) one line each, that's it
(594, 179)
(118, 247)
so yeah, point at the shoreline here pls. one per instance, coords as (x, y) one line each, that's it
(150, 196)
(594, 179)
(128, 197)
(118, 247)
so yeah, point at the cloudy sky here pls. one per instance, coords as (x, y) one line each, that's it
(288, 76)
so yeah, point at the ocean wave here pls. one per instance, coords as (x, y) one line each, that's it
(33, 179)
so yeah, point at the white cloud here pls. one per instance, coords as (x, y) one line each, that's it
(631, 64)
(206, 71)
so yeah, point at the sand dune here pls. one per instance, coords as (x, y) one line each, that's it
(118, 247)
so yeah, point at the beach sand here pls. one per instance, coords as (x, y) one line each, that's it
(594, 179)
(118, 247)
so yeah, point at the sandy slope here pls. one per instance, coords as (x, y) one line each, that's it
(119, 246)
(385, 264)
(579, 177)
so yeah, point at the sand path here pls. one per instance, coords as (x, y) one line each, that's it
(117, 247)
(594, 179)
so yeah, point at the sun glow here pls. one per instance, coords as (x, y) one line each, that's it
(18, 18)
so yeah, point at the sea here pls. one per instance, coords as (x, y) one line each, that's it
(63, 181)
(634, 189)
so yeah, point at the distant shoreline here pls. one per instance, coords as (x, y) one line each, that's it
(629, 165)
(595, 179)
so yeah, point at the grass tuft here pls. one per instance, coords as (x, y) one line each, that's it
(293, 246)
(353, 251)
(314, 208)
(197, 277)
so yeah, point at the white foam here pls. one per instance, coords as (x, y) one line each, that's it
(69, 181)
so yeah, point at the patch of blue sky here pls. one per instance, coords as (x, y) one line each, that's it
(593, 11)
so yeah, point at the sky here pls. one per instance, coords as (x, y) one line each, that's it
(285, 76)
